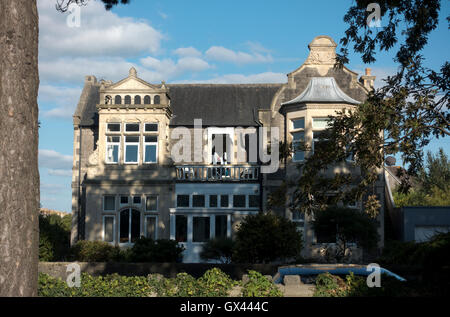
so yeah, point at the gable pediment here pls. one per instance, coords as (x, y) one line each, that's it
(131, 83)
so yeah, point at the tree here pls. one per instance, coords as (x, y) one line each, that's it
(411, 108)
(266, 237)
(19, 174)
(218, 249)
(344, 226)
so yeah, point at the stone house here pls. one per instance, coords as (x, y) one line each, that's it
(133, 176)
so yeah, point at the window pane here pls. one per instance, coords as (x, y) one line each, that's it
(299, 156)
(150, 153)
(108, 229)
(198, 201)
(298, 123)
(151, 227)
(151, 127)
(124, 226)
(112, 153)
(113, 127)
(109, 203)
(132, 139)
(239, 201)
(320, 123)
(181, 228)
(135, 225)
(298, 136)
(212, 200)
(298, 216)
(151, 138)
(253, 201)
(131, 153)
(137, 200)
(200, 229)
(124, 200)
(151, 203)
(224, 201)
(132, 127)
(182, 200)
(221, 226)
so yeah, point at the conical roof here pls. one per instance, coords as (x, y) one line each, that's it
(322, 89)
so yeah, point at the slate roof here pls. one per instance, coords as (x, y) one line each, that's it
(322, 89)
(220, 104)
(215, 104)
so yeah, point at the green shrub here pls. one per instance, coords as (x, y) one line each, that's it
(218, 249)
(54, 237)
(259, 286)
(215, 283)
(96, 286)
(95, 251)
(148, 250)
(328, 285)
(264, 238)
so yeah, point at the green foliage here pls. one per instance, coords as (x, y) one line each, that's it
(263, 238)
(215, 283)
(433, 188)
(433, 254)
(259, 286)
(328, 285)
(95, 251)
(96, 286)
(54, 237)
(149, 250)
(219, 249)
(347, 225)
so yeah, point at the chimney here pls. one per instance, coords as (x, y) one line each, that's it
(367, 80)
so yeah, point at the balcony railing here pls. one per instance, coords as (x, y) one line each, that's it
(217, 173)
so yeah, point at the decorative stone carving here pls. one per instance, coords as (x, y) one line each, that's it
(322, 51)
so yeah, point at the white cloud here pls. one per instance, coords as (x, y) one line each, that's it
(101, 33)
(60, 172)
(222, 54)
(54, 160)
(188, 52)
(64, 98)
(267, 77)
(167, 69)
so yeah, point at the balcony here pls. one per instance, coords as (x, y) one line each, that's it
(215, 173)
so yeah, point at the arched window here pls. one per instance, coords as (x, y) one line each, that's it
(127, 100)
(137, 100)
(118, 100)
(108, 100)
(130, 225)
(157, 100)
(147, 100)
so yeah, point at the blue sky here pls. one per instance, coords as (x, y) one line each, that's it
(246, 41)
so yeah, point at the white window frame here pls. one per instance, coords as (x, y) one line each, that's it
(292, 131)
(114, 228)
(156, 225)
(157, 203)
(157, 127)
(106, 152)
(151, 143)
(120, 201)
(130, 224)
(126, 144)
(114, 132)
(115, 203)
(132, 132)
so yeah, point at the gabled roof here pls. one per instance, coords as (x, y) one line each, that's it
(132, 82)
(322, 89)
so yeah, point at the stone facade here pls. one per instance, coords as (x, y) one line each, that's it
(125, 182)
